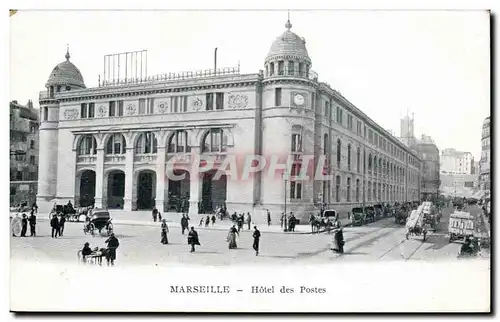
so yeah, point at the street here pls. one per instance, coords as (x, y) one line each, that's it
(382, 240)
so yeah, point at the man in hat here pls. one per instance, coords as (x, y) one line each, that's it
(256, 239)
(32, 222)
(193, 239)
(113, 244)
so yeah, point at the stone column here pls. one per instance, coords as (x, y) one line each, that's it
(160, 179)
(99, 174)
(195, 183)
(129, 178)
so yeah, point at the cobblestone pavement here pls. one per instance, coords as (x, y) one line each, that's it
(140, 245)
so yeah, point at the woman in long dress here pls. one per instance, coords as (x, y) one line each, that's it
(164, 231)
(231, 237)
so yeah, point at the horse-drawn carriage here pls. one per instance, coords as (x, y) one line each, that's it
(431, 214)
(69, 213)
(369, 214)
(324, 221)
(400, 215)
(357, 216)
(415, 224)
(460, 225)
(97, 221)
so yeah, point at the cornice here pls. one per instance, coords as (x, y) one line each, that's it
(178, 86)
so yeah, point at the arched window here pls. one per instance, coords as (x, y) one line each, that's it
(271, 69)
(369, 191)
(380, 169)
(337, 189)
(339, 152)
(215, 140)
(116, 144)
(348, 189)
(379, 194)
(357, 190)
(370, 162)
(88, 145)
(178, 142)
(375, 165)
(358, 160)
(146, 143)
(374, 191)
(349, 157)
(296, 138)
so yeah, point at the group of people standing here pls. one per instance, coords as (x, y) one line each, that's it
(57, 225)
(233, 233)
(288, 222)
(31, 220)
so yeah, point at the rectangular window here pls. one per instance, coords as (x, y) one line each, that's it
(349, 122)
(296, 168)
(277, 97)
(210, 101)
(296, 143)
(32, 159)
(142, 106)
(91, 110)
(219, 101)
(174, 104)
(295, 190)
(120, 108)
(112, 108)
(32, 144)
(151, 106)
(83, 110)
(184, 103)
(291, 68)
(281, 66)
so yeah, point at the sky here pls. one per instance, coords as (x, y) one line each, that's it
(435, 64)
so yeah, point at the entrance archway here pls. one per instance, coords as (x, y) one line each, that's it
(214, 192)
(178, 192)
(146, 189)
(115, 189)
(87, 188)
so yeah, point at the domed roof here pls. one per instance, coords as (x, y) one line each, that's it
(289, 43)
(66, 73)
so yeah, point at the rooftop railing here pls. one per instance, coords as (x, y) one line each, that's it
(173, 76)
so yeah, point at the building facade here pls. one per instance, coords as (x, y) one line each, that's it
(458, 185)
(429, 154)
(485, 162)
(23, 153)
(112, 145)
(456, 162)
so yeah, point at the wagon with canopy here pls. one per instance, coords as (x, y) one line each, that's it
(460, 225)
(97, 221)
(415, 224)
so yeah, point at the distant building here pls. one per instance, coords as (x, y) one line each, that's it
(429, 154)
(407, 132)
(458, 185)
(456, 162)
(23, 152)
(484, 163)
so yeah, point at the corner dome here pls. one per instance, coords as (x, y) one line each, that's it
(289, 43)
(66, 73)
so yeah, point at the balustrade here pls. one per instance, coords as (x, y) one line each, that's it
(145, 158)
(115, 158)
(87, 158)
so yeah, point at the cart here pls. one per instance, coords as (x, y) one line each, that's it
(357, 216)
(415, 225)
(431, 216)
(460, 226)
(99, 220)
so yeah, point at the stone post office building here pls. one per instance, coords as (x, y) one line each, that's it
(111, 144)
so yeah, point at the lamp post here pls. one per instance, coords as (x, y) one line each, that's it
(285, 180)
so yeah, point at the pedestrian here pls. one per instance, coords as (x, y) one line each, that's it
(339, 241)
(32, 222)
(231, 237)
(268, 218)
(282, 219)
(291, 223)
(54, 223)
(193, 239)
(164, 231)
(207, 221)
(24, 225)
(159, 216)
(184, 223)
(113, 244)
(86, 251)
(201, 222)
(240, 222)
(60, 227)
(155, 214)
(213, 220)
(249, 220)
(256, 239)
